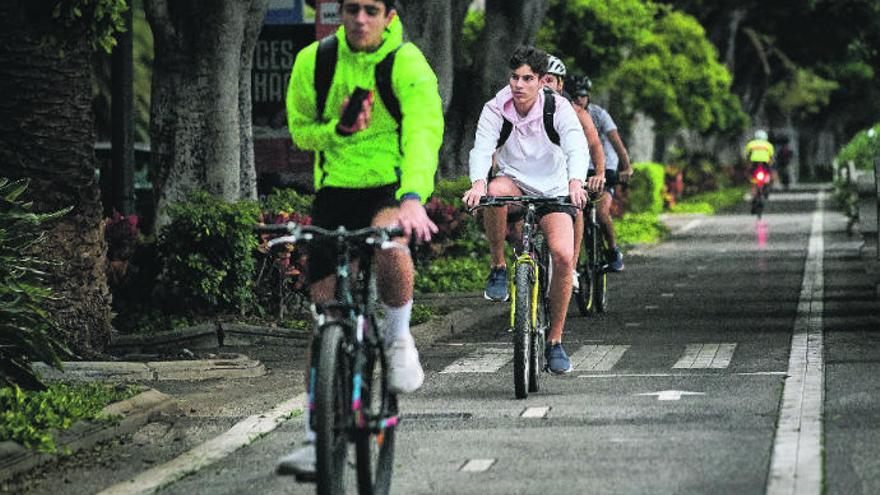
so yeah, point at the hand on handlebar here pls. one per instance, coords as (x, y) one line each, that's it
(473, 195)
(596, 183)
(414, 220)
(577, 193)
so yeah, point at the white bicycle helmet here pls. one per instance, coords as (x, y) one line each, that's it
(761, 134)
(555, 66)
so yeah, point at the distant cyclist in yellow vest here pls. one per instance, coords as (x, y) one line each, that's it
(760, 150)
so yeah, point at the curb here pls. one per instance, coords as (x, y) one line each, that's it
(225, 366)
(136, 412)
(204, 336)
(478, 312)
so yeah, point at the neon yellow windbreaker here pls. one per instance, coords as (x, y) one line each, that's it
(371, 157)
(759, 150)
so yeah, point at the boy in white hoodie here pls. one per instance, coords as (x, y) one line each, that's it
(530, 163)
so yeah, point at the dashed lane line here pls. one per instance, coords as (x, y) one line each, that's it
(597, 357)
(487, 360)
(243, 433)
(716, 356)
(796, 462)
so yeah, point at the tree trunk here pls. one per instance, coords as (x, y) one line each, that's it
(200, 114)
(46, 135)
(435, 27)
(509, 23)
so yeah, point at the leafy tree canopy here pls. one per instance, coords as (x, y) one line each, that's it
(652, 58)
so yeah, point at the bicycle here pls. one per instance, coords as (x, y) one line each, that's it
(529, 291)
(760, 180)
(592, 292)
(354, 415)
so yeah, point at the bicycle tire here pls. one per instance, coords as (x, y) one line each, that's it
(600, 275)
(375, 450)
(584, 294)
(536, 336)
(522, 328)
(332, 412)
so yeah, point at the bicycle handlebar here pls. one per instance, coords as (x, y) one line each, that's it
(297, 232)
(503, 200)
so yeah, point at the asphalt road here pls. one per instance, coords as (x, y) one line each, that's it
(677, 389)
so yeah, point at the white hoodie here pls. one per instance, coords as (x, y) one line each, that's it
(535, 164)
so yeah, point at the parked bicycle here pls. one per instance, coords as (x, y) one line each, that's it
(354, 415)
(529, 291)
(591, 294)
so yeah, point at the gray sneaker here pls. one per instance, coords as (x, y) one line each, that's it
(496, 285)
(300, 463)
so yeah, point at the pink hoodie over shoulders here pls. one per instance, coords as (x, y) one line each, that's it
(528, 156)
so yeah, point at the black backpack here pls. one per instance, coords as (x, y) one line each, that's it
(549, 110)
(325, 66)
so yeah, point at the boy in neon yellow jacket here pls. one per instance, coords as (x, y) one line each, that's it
(377, 171)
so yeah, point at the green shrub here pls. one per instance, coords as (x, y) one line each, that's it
(639, 228)
(207, 252)
(24, 324)
(863, 149)
(710, 202)
(289, 201)
(450, 191)
(453, 274)
(29, 417)
(646, 188)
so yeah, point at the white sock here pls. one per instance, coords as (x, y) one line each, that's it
(396, 324)
(310, 433)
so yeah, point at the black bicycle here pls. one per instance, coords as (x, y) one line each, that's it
(529, 298)
(354, 415)
(591, 294)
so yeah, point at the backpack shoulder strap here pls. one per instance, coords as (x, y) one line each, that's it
(549, 111)
(384, 87)
(506, 129)
(325, 66)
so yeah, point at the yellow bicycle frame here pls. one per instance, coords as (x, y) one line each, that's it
(525, 258)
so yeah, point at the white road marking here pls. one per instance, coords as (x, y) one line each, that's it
(690, 225)
(671, 394)
(667, 294)
(677, 375)
(652, 306)
(487, 360)
(706, 356)
(632, 324)
(597, 357)
(477, 465)
(243, 433)
(796, 463)
(535, 412)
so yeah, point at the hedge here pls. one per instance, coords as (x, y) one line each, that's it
(646, 188)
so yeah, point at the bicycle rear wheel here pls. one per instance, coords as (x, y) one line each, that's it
(333, 413)
(600, 275)
(375, 450)
(522, 327)
(584, 294)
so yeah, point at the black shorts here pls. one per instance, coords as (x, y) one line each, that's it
(351, 208)
(611, 180)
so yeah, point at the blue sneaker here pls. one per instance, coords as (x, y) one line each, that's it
(557, 359)
(615, 260)
(496, 285)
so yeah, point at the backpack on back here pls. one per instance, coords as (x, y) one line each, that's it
(325, 67)
(549, 110)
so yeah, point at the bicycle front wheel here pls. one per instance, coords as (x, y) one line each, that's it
(375, 449)
(522, 327)
(333, 413)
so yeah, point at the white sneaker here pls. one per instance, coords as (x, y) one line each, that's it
(405, 373)
(300, 463)
(575, 283)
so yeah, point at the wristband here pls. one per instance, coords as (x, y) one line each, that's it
(410, 195)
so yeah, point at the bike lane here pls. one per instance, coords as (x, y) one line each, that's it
(678, 389)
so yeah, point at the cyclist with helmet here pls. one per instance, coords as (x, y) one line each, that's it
(617, 169)
(530, 163)
(760, 151)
